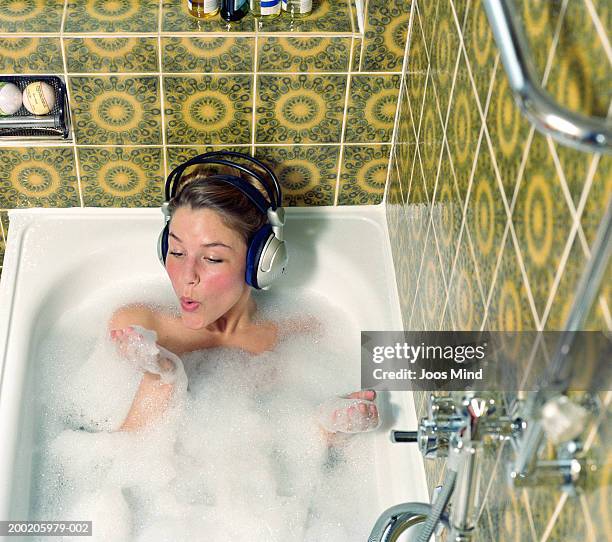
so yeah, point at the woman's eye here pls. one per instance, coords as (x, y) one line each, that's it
(176, 253)
(212, 260)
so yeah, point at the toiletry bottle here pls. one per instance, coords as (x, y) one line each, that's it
(265, 8)
(203, 9)
(298, 8)
(234, 10)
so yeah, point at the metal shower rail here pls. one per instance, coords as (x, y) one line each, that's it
(591, 134)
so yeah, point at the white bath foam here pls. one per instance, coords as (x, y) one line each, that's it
(245, 459)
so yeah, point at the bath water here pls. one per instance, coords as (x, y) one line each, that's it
(238, 456)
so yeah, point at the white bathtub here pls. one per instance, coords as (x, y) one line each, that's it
(55, 255)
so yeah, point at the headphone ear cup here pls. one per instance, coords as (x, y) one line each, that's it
(254, 252)
(162, 244)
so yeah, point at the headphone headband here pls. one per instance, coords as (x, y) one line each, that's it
(216, 157)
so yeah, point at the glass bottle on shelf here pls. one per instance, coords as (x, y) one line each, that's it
(203, 9)
(265, 9)
(298, 8)
(234, 10)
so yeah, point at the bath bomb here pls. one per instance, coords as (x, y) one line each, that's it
(39, 98)
(10, 98)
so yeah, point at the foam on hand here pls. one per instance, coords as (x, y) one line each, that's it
(239, 456)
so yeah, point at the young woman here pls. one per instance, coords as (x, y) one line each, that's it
(210, 227)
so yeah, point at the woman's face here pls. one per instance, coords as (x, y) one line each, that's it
(206, 263)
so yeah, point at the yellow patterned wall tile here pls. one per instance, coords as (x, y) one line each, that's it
(37, 177)
(111, 55)
(486, 218)
(208, 109)
(430, 137)
(364, 174)
(542, 221)
(175, 156)
(307, 174)
(428, 14)
(303, 54)
(30, 55)
(121, 176)
(300, 108)
(509, 308)
(208, 54)
(432, 286)
(599, 196)
(405, 144)
(31, 15)
(115, 16)
(116, 110)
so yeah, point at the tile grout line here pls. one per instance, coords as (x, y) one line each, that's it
(183, 34)
(553, 518)
(254, 116)
(365, 24)
(162, 97)
(347, 94)
(527, 505)
(75, 153)
(399, 106)
(601, 31)
(217, 74)
(587, 518)
(49, 143)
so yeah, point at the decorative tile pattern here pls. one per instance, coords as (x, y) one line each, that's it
(600, 194)
(31, 15)
(176, 18)
(121, 177)
(430, 138)
(177, 155)
(326, 16)
(364, 174)
(303, 54)
(405, 145)
(300, 108)
(307, 174)
(110, 55)
(30, 55)
(443, 55)
(210, 109)
(372, 108)
(115, 16)
(116, 110)
(357, 47)
(208, 54)
(37, 177)
(386, 31)
(542, 221)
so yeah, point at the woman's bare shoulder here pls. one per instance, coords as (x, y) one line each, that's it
(134, 314)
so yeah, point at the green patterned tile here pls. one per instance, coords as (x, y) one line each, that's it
(486, 218)
(177, 155)
(371, 109)
(539, 21)
(416, 72)
(405, 144)
(447, 212)
(115, 16)
(30, 55)
(300, 108)
(110, 55)
(508, 129)
(209, 109)
(461, 9)
(31, 15)
(463, 128)
(121, 176)
(4, 222)
(444, 55)
(208, 54)
(509, 308)
(326, 16)
(37, 177)
(481, 49)
(176, 18)
(542, 221)
(385, 34)
(466, 302)
(307, 174)
(430, 138)
(394, 194)
(431, 285)
(364, 174)
(357, 48)
(304, 54)
(599, 196)
(116, 110)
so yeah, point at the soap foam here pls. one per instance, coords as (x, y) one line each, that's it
(239, 456)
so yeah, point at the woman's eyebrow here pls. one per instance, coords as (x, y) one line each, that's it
(213, 244)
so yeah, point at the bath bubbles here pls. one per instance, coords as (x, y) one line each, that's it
(239, 454)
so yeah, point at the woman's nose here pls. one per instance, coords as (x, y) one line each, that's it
(190, 274)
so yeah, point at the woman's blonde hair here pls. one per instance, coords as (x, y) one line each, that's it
(197, 190)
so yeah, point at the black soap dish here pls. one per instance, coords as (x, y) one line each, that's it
(23, 124)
